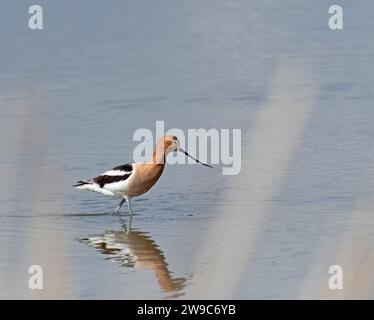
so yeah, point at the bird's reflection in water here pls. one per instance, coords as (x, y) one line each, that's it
(135, 249)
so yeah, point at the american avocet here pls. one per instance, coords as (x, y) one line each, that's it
(134, 179)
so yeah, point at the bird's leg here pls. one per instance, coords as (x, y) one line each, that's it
(129, 204)
(130, 223)
(119, 206)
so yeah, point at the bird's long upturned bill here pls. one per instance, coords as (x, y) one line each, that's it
(186, 153)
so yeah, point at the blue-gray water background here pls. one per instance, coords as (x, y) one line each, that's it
(72, 95)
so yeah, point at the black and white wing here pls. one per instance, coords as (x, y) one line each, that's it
(112, 181)
(117, 174)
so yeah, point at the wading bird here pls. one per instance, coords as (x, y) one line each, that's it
(134, 179)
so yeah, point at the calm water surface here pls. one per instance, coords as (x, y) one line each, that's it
(72, 95)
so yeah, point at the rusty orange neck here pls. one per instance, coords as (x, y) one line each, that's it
(159, 154)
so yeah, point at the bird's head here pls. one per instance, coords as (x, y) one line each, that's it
(171, 143)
